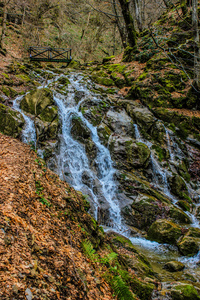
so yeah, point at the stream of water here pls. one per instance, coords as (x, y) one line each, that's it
(73, 163)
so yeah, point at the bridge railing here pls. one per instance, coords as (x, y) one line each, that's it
(50, 54)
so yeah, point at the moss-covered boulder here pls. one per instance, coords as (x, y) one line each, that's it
(64, 80)
(119, 122)
(157, 132)
(164, 231)
(189, 246)
(37, 101)
(184, 205)
(179, 216)
(129, 154)
(143, 212)
(184, 292)
(49, 114)
(193, 232)
(103, 80)
(11, 122)
(104, 133)
(141, 115)
(79, 130)
(174, 266)
(178, 186)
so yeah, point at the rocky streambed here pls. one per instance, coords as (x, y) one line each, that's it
(137, 175)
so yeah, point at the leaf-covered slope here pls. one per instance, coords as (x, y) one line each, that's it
(51, 248)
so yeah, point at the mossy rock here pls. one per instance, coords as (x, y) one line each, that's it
(64, 80)
(37, 100)
(119, 82)
(189, 246)
(121, 241)
(164, 231)
(129, 154)
(143, 212)
(184, 292)
(104, 133)
(129, 54)
(49, 114)
(193, 232)
(11, 122)
(174, 266)
(79, 130)
(107, 59)
(184, 205)
(178, 186)
(182, 170)
(179, 216)
(157, 132)
(103, 80)
(141, 115)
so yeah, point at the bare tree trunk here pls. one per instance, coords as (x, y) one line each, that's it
(197, 44)
(138, 13)
(183, 7)
(128, 22)
(121, 32)
(3, 33)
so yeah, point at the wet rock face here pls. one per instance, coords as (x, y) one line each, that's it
(36, 101)
(184, 292)
(120, 123)
(127, 153)
(189, 246)
(174, 266)
(11, 122)
(178, 186)
(141, 115)
(164, 231)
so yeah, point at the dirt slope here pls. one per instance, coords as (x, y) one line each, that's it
(41, 232)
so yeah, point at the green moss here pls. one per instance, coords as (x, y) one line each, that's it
(11, 122)
(184, 205)
(161, 152)
(24, 78)
(164, 231)
(184, 292)
(103, 81)
(49, 114)
(5, 91)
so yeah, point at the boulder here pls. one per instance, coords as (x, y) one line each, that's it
(104, 133)
(37, 100)
(11, 122)
(49, 114)
(129, 154)
(189, 246)
(119, 122)
(179, 216)
(143, 212)
(174, 266)
(184, 292)
(79, 130)
(141, 115)
(157, 132)
(178, 186)
(164, 231)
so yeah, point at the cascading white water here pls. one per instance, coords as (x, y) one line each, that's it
(29, 132)
(73, 160)
(73, 157)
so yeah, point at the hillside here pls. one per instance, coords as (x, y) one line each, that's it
(51, 247)
(99, 162)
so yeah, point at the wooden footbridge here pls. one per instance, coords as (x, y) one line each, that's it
(48, 54)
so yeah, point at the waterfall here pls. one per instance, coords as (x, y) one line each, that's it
(29, 132)
(72, 155)
(100, 185)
